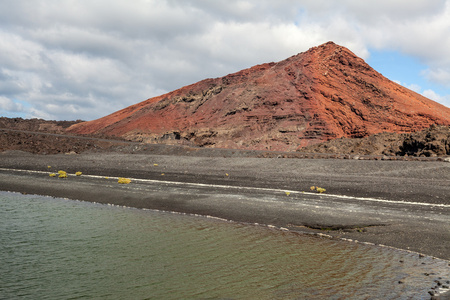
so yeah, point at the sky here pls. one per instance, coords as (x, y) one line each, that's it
(84, 59)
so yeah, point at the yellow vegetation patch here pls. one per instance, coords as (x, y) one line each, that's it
(62, 174)
(321, 190)
(287, 193)
(52, 175)
(124, 180)
(318, 189)
(78, 173)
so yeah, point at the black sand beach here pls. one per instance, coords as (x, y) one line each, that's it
(403, 204)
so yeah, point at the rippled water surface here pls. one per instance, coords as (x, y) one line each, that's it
(52, 248)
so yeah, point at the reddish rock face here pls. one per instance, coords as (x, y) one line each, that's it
(324, 93)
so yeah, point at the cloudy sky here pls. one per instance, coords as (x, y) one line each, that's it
(83, 59)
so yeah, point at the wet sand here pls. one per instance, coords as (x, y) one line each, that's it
(402, 204)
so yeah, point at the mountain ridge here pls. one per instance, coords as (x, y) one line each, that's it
(324, 93)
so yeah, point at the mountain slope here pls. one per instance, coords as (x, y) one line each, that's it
(324, 93)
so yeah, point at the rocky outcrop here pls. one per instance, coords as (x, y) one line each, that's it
(322, 94)
(434, 141)
(431, 142)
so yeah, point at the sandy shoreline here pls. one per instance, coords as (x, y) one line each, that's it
(403, 204)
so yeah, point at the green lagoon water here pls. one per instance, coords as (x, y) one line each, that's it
(52, 248)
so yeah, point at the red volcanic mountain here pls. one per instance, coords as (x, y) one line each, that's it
(324, 93)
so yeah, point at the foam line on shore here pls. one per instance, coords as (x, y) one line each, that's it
(273, 190)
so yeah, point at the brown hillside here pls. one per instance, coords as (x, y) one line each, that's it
(324, 93)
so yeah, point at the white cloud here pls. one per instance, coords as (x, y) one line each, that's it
(85, 59)
(17, 52)
(432, 95)
(9, 105)
(414, 87)
(438, 75)
(445, 100)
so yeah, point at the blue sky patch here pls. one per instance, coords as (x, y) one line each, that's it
(404, 69)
